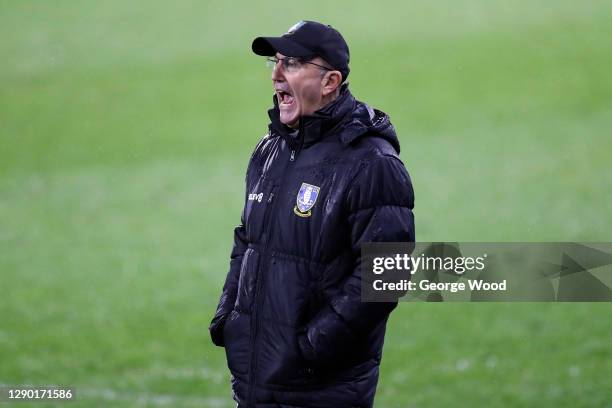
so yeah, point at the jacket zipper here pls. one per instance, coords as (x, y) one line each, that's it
(258, 279)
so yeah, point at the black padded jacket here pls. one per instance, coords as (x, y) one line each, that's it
(290, 317)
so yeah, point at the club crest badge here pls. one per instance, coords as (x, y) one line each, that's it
(306, 199)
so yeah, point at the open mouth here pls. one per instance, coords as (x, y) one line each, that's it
(284, 98)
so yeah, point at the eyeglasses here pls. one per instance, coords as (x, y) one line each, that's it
(291, 64)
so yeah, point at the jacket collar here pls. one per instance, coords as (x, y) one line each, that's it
(317, 126)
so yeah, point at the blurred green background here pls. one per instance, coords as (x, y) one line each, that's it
(125, 129)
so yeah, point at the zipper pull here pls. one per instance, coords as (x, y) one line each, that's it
(292, 155)
(271, 197)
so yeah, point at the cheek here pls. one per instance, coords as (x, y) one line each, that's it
(310, 95)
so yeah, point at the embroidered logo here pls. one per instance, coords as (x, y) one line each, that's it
(306, 199)
(255, 197)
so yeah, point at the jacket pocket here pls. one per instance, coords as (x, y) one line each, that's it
(291, 295)
(280, 359)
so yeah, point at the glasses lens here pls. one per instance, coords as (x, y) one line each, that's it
(271, 62)
(291, 64)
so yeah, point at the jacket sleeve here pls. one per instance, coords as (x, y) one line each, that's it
(379, 206)
(230, 288)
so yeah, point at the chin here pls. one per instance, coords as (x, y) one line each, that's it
(291, 122)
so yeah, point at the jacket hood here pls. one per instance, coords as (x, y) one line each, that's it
(345, 117)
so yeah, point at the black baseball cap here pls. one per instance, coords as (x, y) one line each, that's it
(308, 39)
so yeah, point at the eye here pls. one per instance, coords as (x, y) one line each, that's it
(292, 62)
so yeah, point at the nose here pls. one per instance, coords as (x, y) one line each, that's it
(277, 72)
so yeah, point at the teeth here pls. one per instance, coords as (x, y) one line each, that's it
(285, 98)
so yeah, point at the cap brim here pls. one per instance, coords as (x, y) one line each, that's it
(269, 46)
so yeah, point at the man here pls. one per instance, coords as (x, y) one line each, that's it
(325, 179)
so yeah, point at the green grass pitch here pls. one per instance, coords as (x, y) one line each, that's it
(125, 129)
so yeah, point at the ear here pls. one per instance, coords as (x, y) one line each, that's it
(331, 82)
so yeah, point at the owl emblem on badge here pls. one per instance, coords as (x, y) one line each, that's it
(306, 199)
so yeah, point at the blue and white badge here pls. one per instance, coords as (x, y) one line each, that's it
(306, 199)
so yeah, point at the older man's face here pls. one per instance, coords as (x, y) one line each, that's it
(298, 91)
